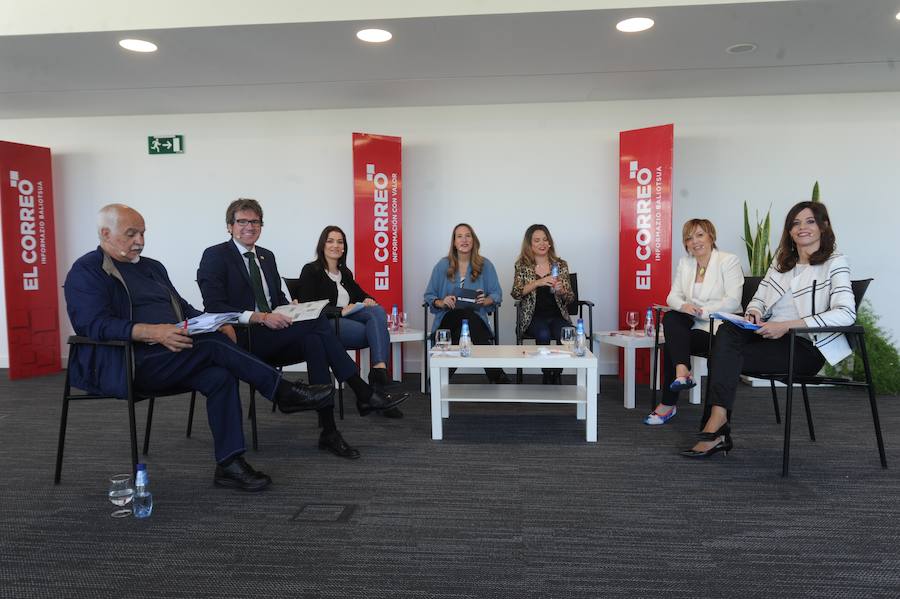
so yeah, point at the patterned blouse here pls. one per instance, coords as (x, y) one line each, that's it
(525, 274)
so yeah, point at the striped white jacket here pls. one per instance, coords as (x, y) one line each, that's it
(823, 297)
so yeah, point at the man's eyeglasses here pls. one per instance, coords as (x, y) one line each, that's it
(244, 222)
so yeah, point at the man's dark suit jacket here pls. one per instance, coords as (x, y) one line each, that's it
(225, 283)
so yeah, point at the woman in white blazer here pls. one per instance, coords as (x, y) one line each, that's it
(808, 285)
(707, 280)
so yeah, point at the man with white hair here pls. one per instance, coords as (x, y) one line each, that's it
(113, 293)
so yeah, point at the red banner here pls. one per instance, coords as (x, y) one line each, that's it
(645, 222)
(29, 260)
(378, 217)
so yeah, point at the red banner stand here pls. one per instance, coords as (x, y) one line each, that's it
(378, 217)
(645, 225)
(29, 260)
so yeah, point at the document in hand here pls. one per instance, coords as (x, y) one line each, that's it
(738, 320)
(467, 296)
(303, 310)
(207, 323)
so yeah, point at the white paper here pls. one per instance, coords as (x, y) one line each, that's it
(303, 310)
(207, 322)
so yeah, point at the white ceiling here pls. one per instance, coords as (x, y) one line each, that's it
(804, 47)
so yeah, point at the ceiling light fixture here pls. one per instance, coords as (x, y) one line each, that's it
(374, 36)
(138, 45)
(635, 24)
(897, 16)
(742, 48)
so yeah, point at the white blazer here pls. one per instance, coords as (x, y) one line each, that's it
(823, 297)
(720, 291)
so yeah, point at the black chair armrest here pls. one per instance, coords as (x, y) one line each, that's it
(586, 303)
(79, 340)
(852, 330)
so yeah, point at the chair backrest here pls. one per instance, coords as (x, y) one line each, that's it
(751, 284)
(293, 286)
(859, 290)
(573, 305)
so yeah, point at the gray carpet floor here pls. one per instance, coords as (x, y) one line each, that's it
(512, 503)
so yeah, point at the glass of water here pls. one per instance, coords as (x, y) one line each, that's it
(404, 319)
(442, 339)
(121, 492)
(567, 338)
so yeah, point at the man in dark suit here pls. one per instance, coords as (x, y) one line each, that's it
(114, 293)
(239, 276)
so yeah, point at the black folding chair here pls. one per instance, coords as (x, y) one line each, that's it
(855, 335)
(575, 307)
(751, 284)
(132, 396)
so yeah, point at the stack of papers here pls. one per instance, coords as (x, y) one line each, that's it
(207, 323)
(738, 320)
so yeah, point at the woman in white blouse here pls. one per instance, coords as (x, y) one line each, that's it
(808, 285)
(706, 281)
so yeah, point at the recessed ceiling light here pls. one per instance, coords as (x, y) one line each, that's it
(375, 36)
(897, 16)
(741, 48)
(138, 45)
(634, 24)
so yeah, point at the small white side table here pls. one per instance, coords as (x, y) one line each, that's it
(629, 343)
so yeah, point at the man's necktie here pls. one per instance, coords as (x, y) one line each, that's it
(256, 279)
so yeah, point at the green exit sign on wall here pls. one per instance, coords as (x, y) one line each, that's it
(165, 144)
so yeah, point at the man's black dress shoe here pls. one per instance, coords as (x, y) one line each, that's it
(380, 400)
(392, 413)
(335, 443)
(240, 475)
(306, 397)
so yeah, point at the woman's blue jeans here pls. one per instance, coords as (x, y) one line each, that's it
(367, 328)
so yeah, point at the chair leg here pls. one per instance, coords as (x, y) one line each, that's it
(133, 430)
(190, 423)
(871, 388)
(62, 431)
(519, 376)
(809, 422)
(341, 400)
(252, 417)
(786, 455)
(775, 401)
(150, 405)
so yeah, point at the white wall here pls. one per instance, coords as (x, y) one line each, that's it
(500, 168)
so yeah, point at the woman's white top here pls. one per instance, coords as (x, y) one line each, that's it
(720, 290)
(822, 296)
(343, 298)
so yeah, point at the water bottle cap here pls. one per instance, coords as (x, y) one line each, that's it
(141, 467)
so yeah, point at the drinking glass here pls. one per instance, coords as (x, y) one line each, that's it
(121, 492)
(442, 339)
(404, 319)
(631, 319)
(567, 338)
(390, 321)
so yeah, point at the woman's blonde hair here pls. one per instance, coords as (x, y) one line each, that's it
(688, 229)
(526, 254)
(476, 261)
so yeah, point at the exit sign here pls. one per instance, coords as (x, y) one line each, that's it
(165, 144)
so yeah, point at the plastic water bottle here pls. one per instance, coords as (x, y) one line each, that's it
(649, 329)
(554, 272)
(143, 500)
(395, 320)
(580, 340)
(465, 342)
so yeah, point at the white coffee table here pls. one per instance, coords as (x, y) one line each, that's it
(630, 343)
(583, 394)
(398, 337)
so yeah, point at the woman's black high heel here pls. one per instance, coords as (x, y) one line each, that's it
(724, 445)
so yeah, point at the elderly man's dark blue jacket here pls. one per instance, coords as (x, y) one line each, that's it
(99, 307)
